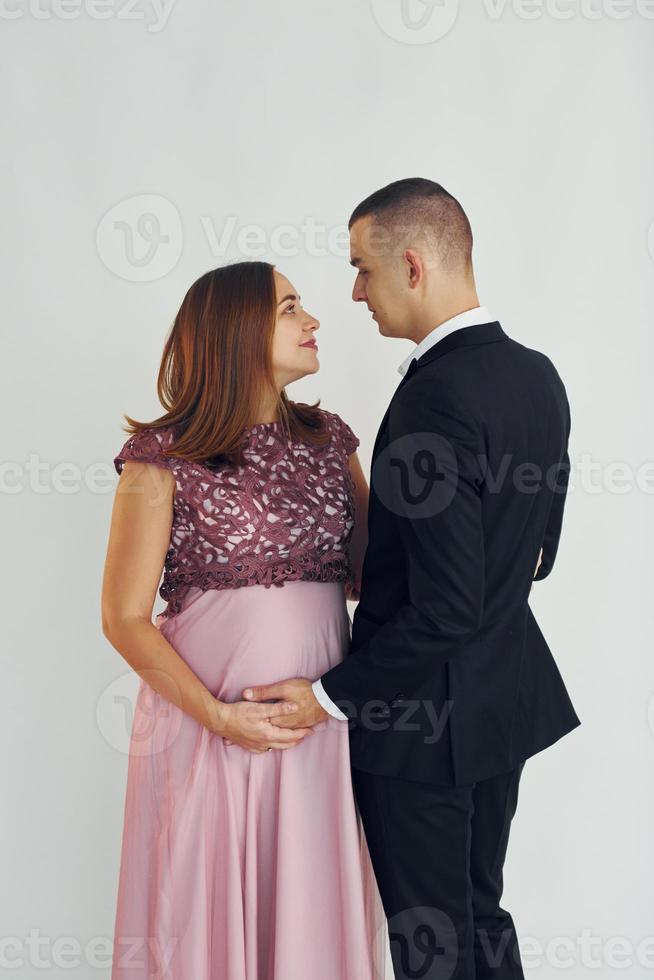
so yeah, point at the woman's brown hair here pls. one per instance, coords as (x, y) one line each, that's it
(217, 361)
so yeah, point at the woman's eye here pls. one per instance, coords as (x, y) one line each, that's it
(290, 309)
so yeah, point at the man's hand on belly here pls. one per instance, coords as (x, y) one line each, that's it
(296, 689)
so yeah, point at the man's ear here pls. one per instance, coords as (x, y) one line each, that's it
(415, 267)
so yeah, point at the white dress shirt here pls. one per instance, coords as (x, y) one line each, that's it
(469, 318)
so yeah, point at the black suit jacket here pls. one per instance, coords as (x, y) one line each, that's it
(449, 679)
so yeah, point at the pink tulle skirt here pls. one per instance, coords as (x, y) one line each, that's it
(237, 866)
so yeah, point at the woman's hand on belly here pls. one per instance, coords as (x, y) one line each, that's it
(297, 691)
(252, 726)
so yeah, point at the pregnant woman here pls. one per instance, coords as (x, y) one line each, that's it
(242, 854)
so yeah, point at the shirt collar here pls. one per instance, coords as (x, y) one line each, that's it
(469, 318)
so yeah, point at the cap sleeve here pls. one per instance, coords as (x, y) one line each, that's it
(146, 446)
(343, 432)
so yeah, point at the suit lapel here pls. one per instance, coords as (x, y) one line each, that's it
(410, 371)
(479, 333)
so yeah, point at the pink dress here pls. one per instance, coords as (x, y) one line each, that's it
(237, 866)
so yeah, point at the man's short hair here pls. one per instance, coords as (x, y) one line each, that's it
(413, 210)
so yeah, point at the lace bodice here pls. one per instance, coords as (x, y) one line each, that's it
(286, 514)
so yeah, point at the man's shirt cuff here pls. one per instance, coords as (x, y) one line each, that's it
(326, 702)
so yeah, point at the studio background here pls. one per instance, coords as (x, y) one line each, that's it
(147, 145)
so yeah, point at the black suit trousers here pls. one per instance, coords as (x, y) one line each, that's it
(438, 854)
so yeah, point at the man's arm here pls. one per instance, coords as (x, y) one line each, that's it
(358, 542)
(554, 520)
(443, 550)
(555, 517)
(357, 548)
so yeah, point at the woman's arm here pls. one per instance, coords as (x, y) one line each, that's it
(139, 538)
(359, 538)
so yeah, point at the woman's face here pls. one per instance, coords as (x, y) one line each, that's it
(294, 348)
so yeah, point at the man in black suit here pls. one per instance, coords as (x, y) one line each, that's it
(450, 685)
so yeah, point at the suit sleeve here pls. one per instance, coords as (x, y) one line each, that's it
(555, 517)
(442, 543)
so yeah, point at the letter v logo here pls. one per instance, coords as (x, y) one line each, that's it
(416, 21)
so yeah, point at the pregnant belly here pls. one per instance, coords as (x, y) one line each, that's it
(235, 638)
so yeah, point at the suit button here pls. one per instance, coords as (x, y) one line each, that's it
(378, 711)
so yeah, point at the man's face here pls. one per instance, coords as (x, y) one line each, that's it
(382, 281)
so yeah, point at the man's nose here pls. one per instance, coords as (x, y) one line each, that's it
(358, 293)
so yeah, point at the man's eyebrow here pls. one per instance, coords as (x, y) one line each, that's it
(290, 296)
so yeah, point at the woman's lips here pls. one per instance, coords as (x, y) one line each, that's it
(310, 343)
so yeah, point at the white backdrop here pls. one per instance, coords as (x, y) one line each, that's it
(148, 143)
